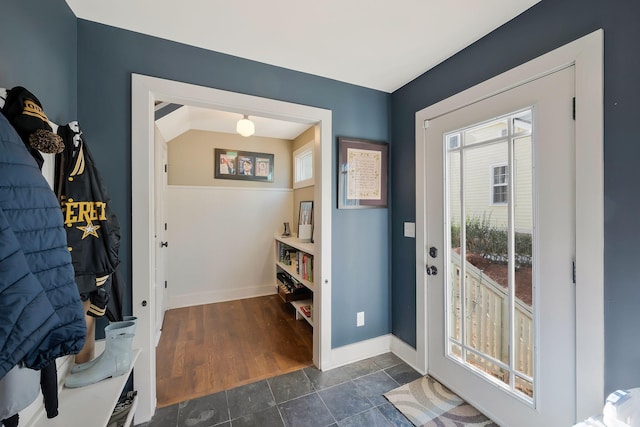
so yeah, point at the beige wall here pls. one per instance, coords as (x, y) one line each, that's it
(306, 193)
(306, 136)
(191, 159)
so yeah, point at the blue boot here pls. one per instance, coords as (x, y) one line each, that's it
(82, 366)
(115, 359)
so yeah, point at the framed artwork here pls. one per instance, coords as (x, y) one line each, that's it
(306, 213)
(363, 171)
(305, 222)
(243, 165)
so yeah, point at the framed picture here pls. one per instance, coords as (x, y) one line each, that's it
(363, 170)
(305, 222)
(306, 213)
(243, 165)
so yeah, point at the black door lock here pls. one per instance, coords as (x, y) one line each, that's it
(433, 252)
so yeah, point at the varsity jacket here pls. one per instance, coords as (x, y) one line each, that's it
(41, 316)
(93, 231)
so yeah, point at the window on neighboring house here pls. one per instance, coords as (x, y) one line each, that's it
(500, 179)
(303, 166)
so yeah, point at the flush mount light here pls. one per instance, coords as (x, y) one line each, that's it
(245, 127)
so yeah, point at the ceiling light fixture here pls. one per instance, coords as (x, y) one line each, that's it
(245, 127)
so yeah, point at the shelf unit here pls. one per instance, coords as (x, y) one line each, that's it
(89, 405)
(297, 304)
(306, 250)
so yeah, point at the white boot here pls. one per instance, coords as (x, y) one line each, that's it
(116, 358)
(83, 366)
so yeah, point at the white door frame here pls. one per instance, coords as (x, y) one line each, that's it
(145, 91)
(586, 54)
(160, 232)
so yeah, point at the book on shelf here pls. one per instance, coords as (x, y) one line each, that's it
(287, 256)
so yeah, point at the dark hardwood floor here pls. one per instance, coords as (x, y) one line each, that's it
(209, 348)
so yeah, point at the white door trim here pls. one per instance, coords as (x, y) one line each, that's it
(586, 54)
(145, 91)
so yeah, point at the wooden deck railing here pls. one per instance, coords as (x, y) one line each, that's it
(487, 326)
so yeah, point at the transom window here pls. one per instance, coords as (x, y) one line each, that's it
(303, 166)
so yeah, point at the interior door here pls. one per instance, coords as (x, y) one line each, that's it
(161, 242)
(500, 195)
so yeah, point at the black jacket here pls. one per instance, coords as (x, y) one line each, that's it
(93, 232)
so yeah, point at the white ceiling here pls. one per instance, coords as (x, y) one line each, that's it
(379, 44)
(189, 117)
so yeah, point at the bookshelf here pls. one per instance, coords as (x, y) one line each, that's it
(295, 274)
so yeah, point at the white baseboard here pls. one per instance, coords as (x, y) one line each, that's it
(404, 351)
(358, 351)
(189, 300)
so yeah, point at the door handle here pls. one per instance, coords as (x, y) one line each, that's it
(164, 244)
(432, 270)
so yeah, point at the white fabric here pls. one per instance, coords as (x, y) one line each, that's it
(18, 389)
(622, 408)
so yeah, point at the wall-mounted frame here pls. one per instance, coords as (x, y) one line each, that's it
(362, 173)
(243, 165)
(305, 221)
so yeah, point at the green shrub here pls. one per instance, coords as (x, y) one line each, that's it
(491, 241)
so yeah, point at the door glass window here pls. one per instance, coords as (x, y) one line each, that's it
(489, 291)
(486, 131)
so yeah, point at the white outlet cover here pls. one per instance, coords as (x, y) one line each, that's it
(360, 318)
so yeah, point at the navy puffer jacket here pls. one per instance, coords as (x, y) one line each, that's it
(41, 315)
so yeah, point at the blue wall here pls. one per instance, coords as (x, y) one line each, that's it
(548, 25)
(38, 51)
(360, 252)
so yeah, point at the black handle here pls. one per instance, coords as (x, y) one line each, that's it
(164, 244)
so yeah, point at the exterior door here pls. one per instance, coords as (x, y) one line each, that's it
(500, 234)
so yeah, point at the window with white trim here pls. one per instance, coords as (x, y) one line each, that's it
(499, 182)
(303, 166)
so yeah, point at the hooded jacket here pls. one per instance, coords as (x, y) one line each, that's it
(41, 315)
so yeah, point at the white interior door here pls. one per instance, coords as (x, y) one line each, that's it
(160, 241)
(500, 194)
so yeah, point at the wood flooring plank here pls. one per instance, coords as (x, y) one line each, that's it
(209, 348)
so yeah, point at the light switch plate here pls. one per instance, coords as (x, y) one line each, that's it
(410, 229)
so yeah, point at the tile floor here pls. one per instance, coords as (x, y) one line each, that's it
(347, 396)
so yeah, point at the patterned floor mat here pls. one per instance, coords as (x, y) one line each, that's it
(426, 402)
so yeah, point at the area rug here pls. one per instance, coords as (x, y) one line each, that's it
(426, 402)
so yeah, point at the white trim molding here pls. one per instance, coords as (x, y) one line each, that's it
(189, 300)
(145, 91)
(407, 353)
(350, 353)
